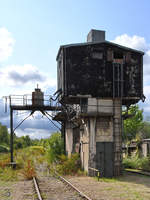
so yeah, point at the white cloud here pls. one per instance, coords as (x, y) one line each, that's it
(15, 79)
(34, 133)
(135, 42)
(6, 44)
(15, 75)
(138, 43)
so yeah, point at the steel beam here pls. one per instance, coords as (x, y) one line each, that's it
(11, 135)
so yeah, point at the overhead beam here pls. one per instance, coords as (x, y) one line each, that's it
(38, 108)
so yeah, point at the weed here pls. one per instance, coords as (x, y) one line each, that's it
(81, 173)
(8, 174)
(4, 163)
(68, 165)
(108, 180)
(109, 188)
(37, 149)
(29, 170)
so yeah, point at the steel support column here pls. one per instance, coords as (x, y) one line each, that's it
(11, 135)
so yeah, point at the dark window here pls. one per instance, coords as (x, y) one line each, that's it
(118, 55)
(97, 55)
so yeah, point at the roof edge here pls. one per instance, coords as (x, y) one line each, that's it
(89, 43)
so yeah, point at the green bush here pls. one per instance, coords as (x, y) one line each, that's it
(37, 149)
(55, 147)
(145, 163)
(70, 165)
(136, 162)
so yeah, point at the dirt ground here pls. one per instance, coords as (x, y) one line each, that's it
(127, 187)
(21, 190)
(6, 190)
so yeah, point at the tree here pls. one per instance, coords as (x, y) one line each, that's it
(55, 143)
(22, 142)
(145, 131)
(27, 141)
(4, 136)
(133, 124)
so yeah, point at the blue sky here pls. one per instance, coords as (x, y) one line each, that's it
(31, 32)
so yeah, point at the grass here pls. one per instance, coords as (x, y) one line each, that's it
(126, 187)
(108, 180)
(7, 174)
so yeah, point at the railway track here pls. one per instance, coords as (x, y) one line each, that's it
(138, 171)
(57, 188)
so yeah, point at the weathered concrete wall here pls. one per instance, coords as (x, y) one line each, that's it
(100, 106)
(69, 138)
(144, 149)
(84, 141)
(104, 129)
(96, 36)
(92, 143)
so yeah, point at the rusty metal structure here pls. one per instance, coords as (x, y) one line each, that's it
(95, 79)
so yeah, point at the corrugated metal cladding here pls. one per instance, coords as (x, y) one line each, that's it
(100, 70)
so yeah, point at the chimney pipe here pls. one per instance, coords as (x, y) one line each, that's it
(96, 36)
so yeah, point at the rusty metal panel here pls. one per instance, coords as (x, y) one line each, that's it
(87, 70)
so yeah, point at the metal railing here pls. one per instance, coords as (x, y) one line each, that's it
(26, 100)
(97, 171)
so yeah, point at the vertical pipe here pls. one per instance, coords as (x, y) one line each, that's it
(65, 137)
(113, 81)
(63, 127)
(11, 135)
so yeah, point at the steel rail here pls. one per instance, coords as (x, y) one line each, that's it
(64, 181)
(75, 188)
(138, 171)
(37, 188)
